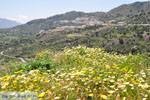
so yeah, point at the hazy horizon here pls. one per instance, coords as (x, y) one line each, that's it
(26, 10)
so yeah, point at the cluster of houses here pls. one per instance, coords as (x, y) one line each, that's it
(81, 23)
(82, 20)
(68, 27)
(89, 21)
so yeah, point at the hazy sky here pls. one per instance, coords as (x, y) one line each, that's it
(25, 10)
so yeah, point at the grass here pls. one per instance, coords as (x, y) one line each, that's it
(81, 73)
(74, 35)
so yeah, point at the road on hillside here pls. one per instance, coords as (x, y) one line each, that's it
(21, 59)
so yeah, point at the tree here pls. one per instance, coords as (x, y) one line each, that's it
(121, 41)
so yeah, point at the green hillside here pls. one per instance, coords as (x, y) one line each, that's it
(124, 40)
(121, 12)
(141, 18)
(128, 10)
(51, 33)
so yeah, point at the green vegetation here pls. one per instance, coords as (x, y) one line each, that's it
(123, 40)
(81, 73)
(28, 39)
(117, 71)
(141, 18)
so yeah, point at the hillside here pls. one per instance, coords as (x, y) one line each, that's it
(129, 10)
(79, 28)
(121, 12)
(35, 26)
(129, 39)
(5, 23)
(80, 73)
(141, 18)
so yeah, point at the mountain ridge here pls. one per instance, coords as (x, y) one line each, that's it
(122, 12)
(6, 23)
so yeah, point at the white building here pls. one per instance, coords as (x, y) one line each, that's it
(121, 24)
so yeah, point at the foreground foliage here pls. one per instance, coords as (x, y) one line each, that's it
(83, 74)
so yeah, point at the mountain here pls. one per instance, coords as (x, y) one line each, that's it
(128, 10)
(25, 40)
(122, 12)
(5, 23)
(35, 26)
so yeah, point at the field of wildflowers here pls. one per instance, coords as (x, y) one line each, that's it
(81, 73)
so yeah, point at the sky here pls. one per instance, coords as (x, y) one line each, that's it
(25, 10)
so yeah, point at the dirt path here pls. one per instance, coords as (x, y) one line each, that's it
(21, 59)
